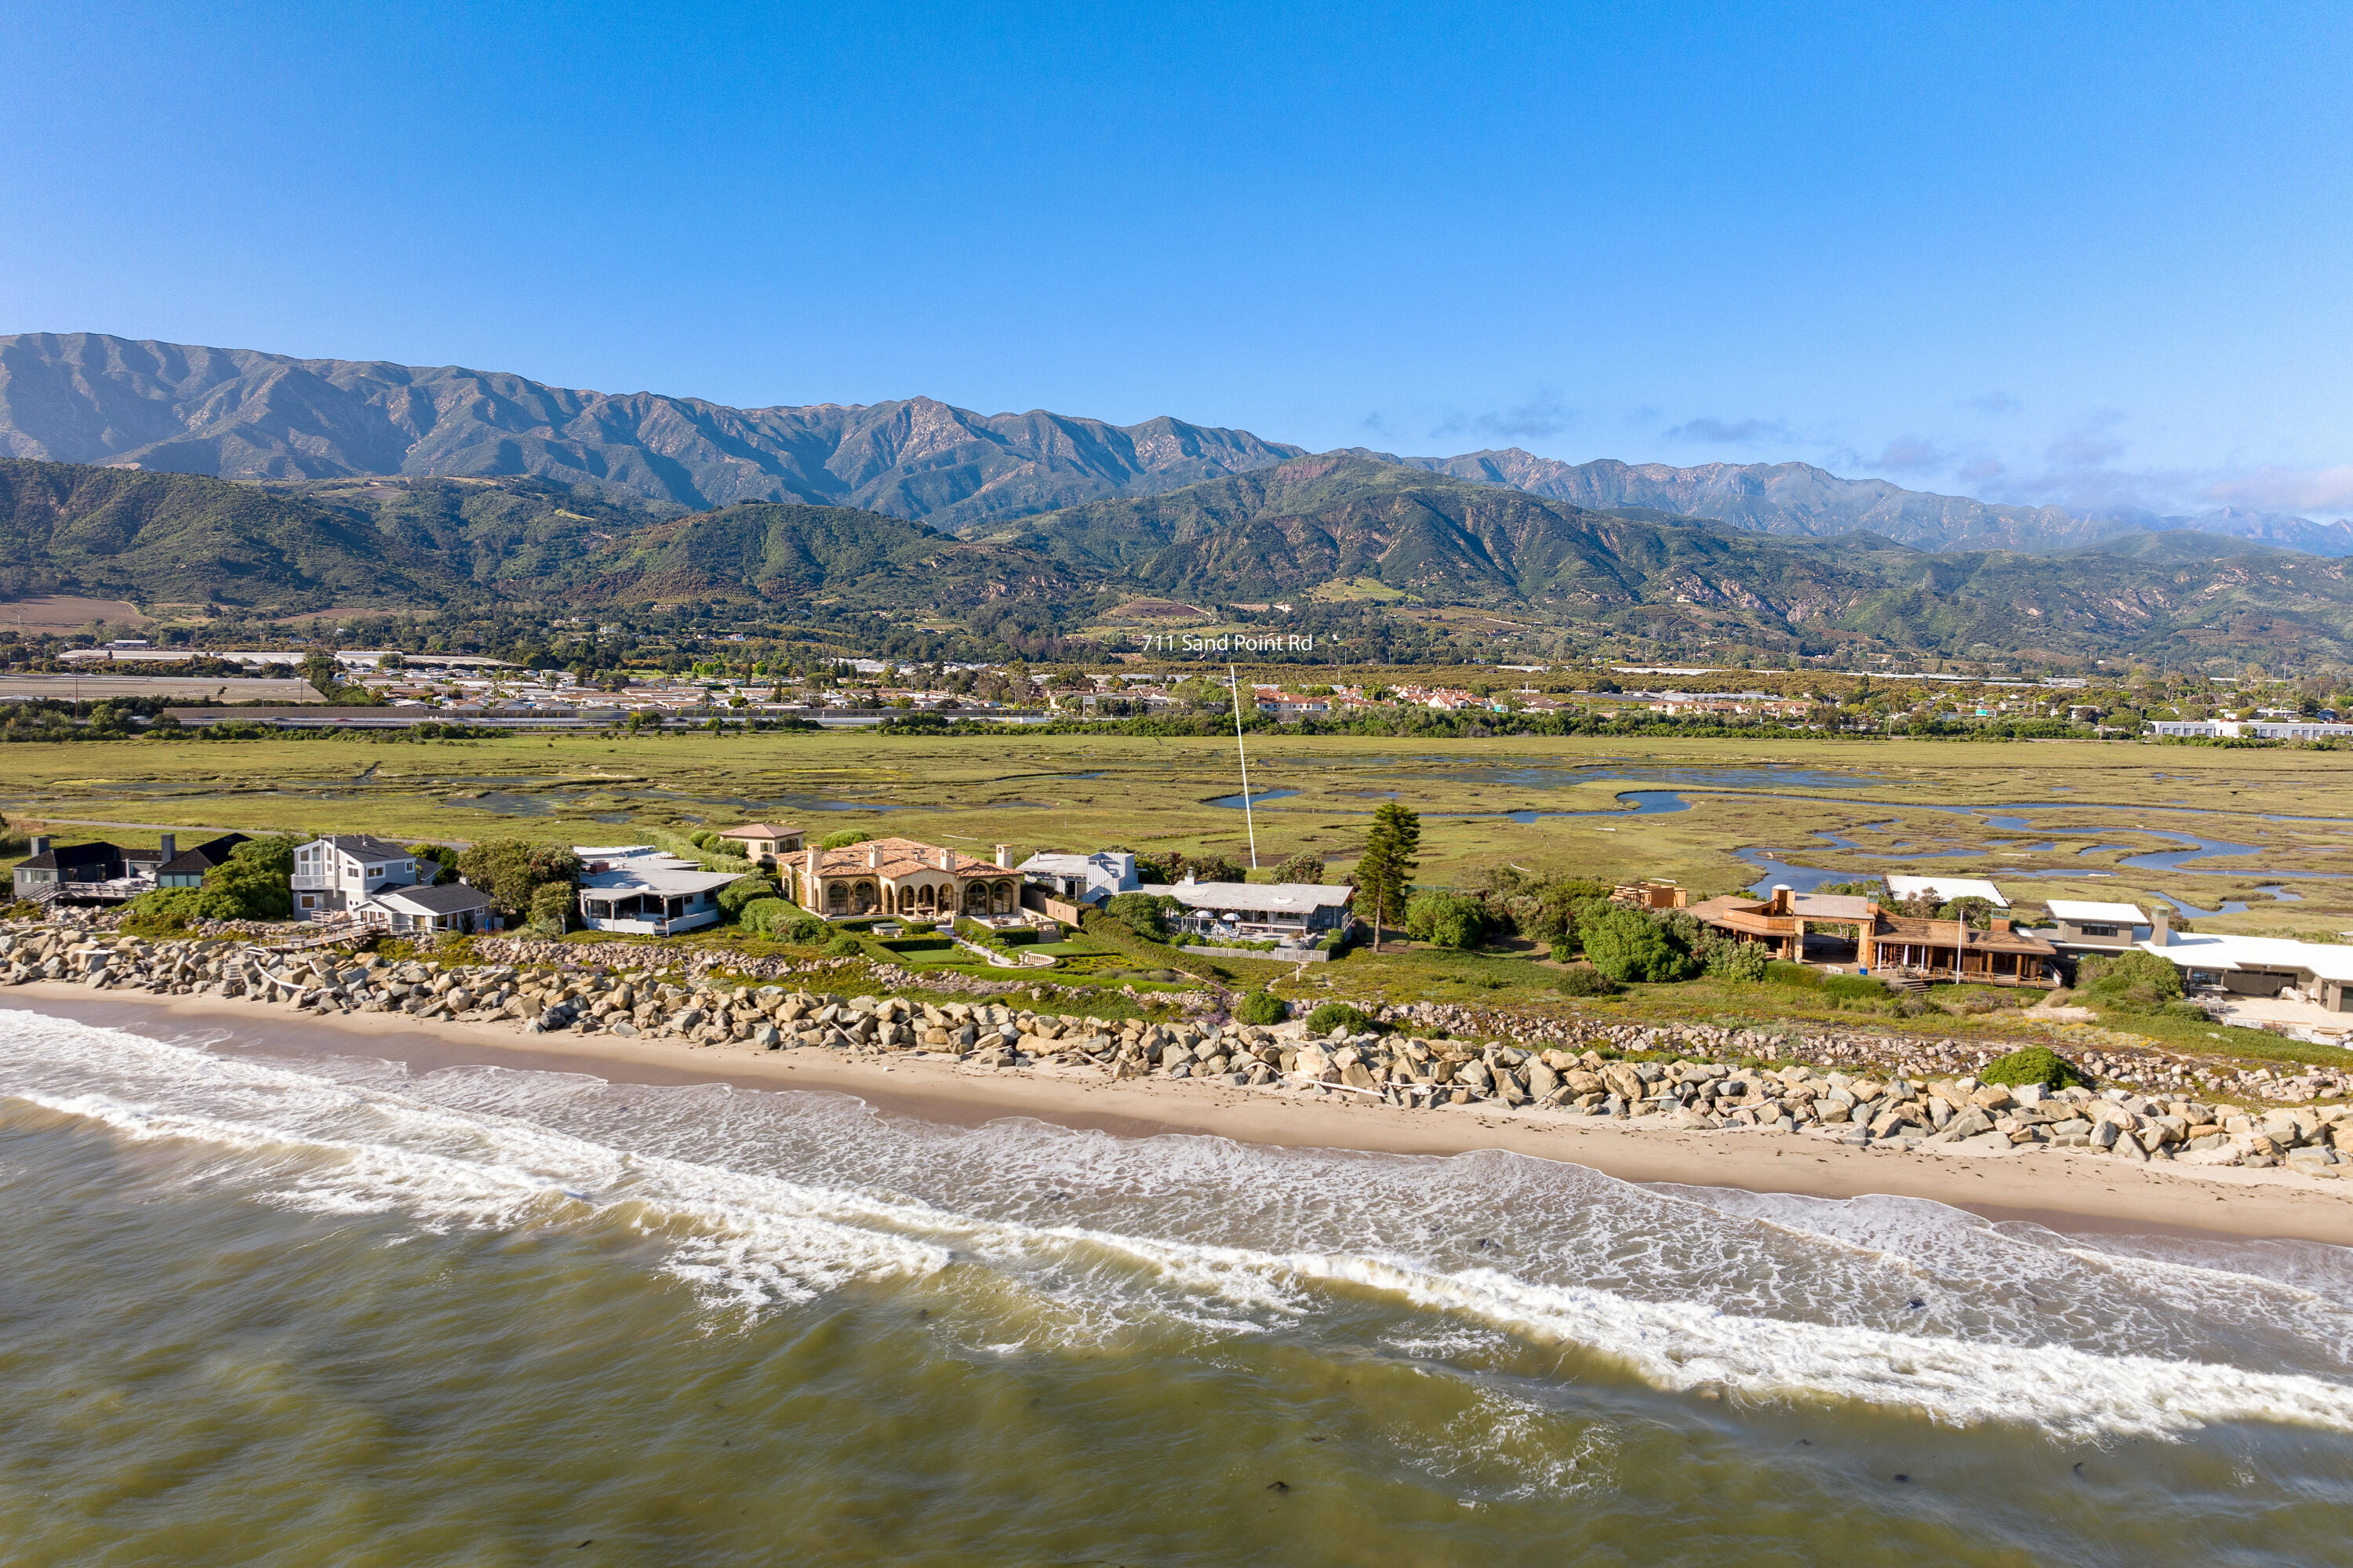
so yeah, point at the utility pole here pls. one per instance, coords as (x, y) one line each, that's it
(1249, 820)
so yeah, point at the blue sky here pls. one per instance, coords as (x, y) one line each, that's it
(2090, 254)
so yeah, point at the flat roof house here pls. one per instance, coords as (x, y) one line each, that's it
(639, 888)
(2084, 926)
(2319, 972)
(1278, 909)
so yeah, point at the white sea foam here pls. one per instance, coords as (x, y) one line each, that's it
(779, 1198)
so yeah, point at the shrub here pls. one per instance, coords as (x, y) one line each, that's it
(511, 871)
(1141, 913)
(1262, 1008)
(1735, 960)
(744, 891)
(550, 908)
(258, 875)
(1337, 1016)
(763, 914)
(807, 930)
(169, 911)
(2035, 1064)
(1626, 945)
(1584, 980)
(1854, 987)
(2187, 1011)
(843, 947)
(843, 839)
(2128, 983)
(1805, 976)
(1304, 866)
(1446, 920)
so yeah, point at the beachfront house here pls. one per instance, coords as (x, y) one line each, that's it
(641, 889)
(1841, 928)
(336, 875)
(906, 879)
(2084, 926)
(452, 907)
(766, 843)
(93, 872)
(2320, 974)
(1092, 879)
(177, 867)
(1286, 911)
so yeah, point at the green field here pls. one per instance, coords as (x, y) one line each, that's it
(1080, 792)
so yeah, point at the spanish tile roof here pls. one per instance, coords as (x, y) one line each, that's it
(760, 831)
(901, 857)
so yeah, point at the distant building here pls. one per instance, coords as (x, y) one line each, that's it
(2251, 730)
(1081, 878)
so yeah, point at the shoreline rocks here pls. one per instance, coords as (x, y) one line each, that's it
(1932, 1099)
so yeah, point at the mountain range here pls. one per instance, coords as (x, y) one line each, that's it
(92, 398)
(1336, 535)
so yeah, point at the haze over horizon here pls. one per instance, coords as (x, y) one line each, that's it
(2079, 259)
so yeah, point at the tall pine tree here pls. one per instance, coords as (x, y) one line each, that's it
(1384, 874)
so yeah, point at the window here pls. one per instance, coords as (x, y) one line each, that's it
(375, 871)
(2099, 930)
(310, 901)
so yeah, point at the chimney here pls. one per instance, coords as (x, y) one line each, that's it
(2160, 928)
(873, 857)
(40, 843)
(947, 859)
(2001, 924)
(1005, 856)
(169, 847)
(1781, 898)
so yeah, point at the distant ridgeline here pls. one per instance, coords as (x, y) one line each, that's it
(1347, 541)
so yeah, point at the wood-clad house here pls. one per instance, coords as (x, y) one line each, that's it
(1892, 945)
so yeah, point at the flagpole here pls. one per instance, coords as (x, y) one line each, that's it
(1248, 819)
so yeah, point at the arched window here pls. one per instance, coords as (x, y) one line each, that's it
(836, 899)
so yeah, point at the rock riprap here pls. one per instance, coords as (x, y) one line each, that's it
(1884, 1107)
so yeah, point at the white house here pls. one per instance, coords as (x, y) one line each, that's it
(2317, 972)
(2083, 925)
(1262, 909)
(336, 875)
(636, 887)
(1946, 889)
(2252, 729)
(1081, 878)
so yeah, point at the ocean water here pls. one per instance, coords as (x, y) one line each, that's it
(272, 1309)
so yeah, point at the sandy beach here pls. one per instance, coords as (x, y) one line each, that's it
(2064, 1189)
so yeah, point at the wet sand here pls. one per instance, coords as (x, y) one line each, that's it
(2061, 1189)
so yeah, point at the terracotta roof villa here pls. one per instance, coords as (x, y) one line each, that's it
(1892, 945)
(903, 877)
(766, 843)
